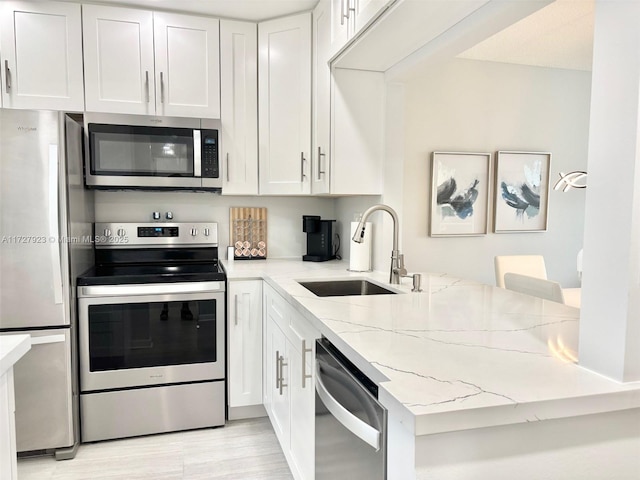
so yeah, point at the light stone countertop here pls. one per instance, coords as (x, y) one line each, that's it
(12, 348)
(459, 355)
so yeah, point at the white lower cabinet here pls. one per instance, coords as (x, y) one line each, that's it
(244, 330)
(289, 391)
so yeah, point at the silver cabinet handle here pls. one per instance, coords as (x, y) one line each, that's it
(7, 73)
(345, 11)
(146, 85)
(227, 166)
(302, 160)
(282, 365)
(320, 154)
(277, 369)
(305, 350)
(235, 301)
(161, 87)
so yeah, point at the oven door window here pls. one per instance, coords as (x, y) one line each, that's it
(135, 335)
(141, 151)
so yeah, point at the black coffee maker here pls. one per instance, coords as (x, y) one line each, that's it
(319, 238)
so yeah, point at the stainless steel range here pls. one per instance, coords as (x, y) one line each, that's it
(151, 331)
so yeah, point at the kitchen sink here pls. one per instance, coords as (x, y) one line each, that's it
(342, 288)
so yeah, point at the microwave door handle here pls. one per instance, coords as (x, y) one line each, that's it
(197, 154)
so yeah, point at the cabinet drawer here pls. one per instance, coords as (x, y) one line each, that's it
(300, 329)
(277, 308)
(294, 326)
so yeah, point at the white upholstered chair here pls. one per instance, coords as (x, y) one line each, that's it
(537, 287)
(530, 265)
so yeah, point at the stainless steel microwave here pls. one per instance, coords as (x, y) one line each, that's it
(144, 152)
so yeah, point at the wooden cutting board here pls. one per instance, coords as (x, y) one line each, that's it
(248, 232)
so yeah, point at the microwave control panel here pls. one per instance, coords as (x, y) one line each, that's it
(210, 163)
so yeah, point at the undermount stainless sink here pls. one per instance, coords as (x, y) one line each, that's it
(342, 288)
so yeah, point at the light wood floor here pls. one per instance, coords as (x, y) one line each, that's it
(243, 449)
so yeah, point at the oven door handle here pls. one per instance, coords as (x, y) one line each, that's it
(151, 289)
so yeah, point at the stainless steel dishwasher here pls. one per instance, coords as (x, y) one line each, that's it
(350, 422)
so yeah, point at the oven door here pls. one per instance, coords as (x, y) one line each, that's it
(152, 334)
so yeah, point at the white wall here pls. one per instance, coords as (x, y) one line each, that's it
(284, 214)
(467, 105)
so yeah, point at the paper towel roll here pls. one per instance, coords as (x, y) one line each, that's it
(360, 253)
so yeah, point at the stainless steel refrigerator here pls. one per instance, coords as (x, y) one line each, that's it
(45, 242)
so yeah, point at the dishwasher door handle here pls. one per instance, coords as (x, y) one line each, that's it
(360, 429)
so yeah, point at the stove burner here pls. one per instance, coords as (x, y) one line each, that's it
(192, 257)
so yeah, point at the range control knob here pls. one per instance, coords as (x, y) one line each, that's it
(206, 232)
(169, 215)
(194, 232)
(122, 232)
(107, 232)
(156, 215)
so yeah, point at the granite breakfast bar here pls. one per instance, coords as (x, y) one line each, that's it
(462, 362)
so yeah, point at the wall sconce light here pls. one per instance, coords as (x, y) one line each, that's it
(570, 180)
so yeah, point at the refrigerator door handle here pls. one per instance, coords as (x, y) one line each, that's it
(54, 229)
(45, 339)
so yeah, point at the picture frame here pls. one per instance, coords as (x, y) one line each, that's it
(521, 191)
(460, 184)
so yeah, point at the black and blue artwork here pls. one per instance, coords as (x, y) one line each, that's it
(454, 202)
(524, 196)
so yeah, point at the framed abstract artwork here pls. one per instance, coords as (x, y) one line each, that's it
(460, 185)
(522, 191)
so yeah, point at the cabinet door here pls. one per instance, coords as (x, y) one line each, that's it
(320, 155)
(118, 60)
(187, 65)
(357, 132)
(239, 107)
(284, 85)
(279, 383)
(340, 24)
(41, 56)
(302, 378)
(245, 343)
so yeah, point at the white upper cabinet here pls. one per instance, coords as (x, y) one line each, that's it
(348, 120)
(284, 118)
(349, 17)
(187, 54)
(41, 55)
(118, 60)
(320, 152)
(239, 107)
(141, 62)
(357, 132)
(340, 25)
